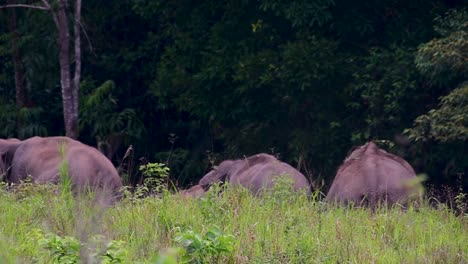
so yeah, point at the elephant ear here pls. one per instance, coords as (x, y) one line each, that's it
(3, 164)
(208, 180)
(7, 151)
(218, 174)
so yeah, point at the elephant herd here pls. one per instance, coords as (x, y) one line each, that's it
(369, 175)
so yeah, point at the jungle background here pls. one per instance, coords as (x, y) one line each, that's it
(191, 83)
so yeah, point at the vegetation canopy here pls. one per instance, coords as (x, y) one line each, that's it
(192, 83)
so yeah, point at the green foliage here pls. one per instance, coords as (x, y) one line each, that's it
(205, 248)
(21, 122)
(211, 207)
(301, 13)
(67, 249)
(155, 170)
(156, 176)
(169, 256)
(447, 123)
(101, 112)
(283, 190)
(461, 204)
(381, 93)
(226, 86)
(63, 249)
(179, 160)
(30, 122)
(174, 229)
(443, 59)
(65, 179)
(114, 252)
(306, 79)
(443, 62)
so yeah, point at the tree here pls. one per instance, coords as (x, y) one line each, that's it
(69, 81)
(446, 124)
(20, 75)
(444, 129)
(109, 125)
(444, 61)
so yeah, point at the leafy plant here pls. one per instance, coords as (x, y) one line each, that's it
(461, 203)
(156, 176)
(169, 256)
(21, 122)
(211, 207)
(443, 59)
(63, 249)
(109, 123)
(447, 123)
(205, 248)
(66, 249)
(113, 253)
(283, 189)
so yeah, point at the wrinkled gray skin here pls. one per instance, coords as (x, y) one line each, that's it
(371, 175)
(256, 173)
(40, 158)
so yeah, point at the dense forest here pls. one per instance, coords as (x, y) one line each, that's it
(190, 83)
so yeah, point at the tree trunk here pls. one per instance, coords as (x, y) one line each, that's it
(77, 75)
(68, 102)
(20, 75)
(69, 88)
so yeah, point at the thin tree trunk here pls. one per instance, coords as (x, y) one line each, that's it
(71, 120)
(77, 75)
(20, 75)
(69, 87)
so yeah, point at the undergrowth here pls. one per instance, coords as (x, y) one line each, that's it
(39, 226)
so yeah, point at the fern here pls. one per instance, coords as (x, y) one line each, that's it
(21, 122)
(100, 111)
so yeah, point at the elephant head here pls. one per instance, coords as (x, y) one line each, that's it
(370, 175)
(218, 174)
(7, 151)
(194, 191)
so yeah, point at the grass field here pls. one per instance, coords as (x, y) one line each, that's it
(42, 224)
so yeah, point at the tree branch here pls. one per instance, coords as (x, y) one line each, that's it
(26, 6)
(85, 32)
(54, 14)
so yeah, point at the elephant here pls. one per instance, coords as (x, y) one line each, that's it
(194, 191)
(41, 157)
(369, 176)
(256, 173)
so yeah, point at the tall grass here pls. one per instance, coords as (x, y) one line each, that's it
(277, 228)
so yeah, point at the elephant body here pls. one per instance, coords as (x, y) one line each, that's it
(194, 191)
(41, 158)
(256, 173)
(370, 175)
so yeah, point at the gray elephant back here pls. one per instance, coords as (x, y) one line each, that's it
(41, 158)
(37, 157)
(91, 168)
(250, 165)
(264, 171)
(370, 175)
(257, 173)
